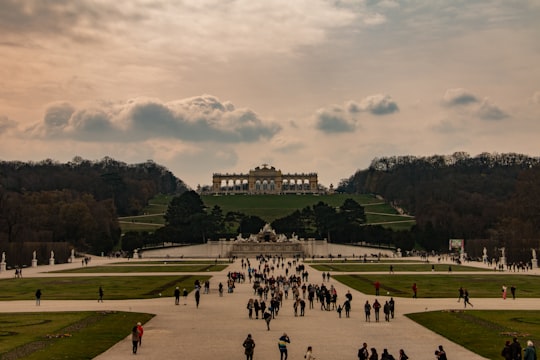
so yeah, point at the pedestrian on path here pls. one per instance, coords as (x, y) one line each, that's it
(134, 339)
(100, 292)
(185, 294)
(376, 309)
(392, 305)
(38, 297)
(402, 355)
(504, 290)
(516, 349)
(267, 316)
(466, 298)
(140, 331)
(415, 290)
(461, 293)
(197, 295)
(249, 347)
(374, 355)
(282, 345)
(513, 292)
(377, 285)
(441, 354)
(363, 352)
(309, 354)
(177, 296)
(367, 310)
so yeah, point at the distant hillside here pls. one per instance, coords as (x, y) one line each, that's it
(495, 196)
(76, 202)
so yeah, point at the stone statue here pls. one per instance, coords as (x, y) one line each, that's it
(52, 254)
(72, 253)
(3, 257)
(502, 252)
(34, 255)
(484, 251)
(239, 237)
(534, 254)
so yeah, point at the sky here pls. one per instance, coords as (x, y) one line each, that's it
(224, 86)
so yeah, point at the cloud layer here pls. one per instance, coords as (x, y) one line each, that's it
(200, 118)
(337, 119)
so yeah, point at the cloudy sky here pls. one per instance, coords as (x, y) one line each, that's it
(322, 86)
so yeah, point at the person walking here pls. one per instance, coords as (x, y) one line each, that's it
(386, 310)
(140, 331)
(363, 352)
(516, 349)
(100, 293)
(377, 285)
(367, 310)
(177, 296)
(347, 307)
(402, 355)
(442, 353)
(504, 289)
(461, 293)
(376, 308)
(185, 294)
(374, 355)
(134, 339)
(282, 345)
(197, 295)
(309, 354)
(513, 292)
(38, 297)
(392, 305)
(415, 290)
(506, 352)
(386, 356)
(466, 298)
(249, 347)
(530, 351)
(267, 316)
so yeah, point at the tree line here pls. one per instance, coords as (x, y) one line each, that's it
(491, 198)
(76, 202)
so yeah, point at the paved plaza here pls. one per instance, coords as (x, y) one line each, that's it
(217, 329)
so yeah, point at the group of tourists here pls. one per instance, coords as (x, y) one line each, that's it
(388, 309)
(512, 350)
(371, 354)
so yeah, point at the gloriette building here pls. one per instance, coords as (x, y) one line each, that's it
(265, 180)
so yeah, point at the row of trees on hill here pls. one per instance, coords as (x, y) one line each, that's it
(77, 202)
(188, 221)
(490, 196)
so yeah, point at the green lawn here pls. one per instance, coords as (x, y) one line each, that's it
(86, 287)
(444, 285)
(47, 335)
(398, 267)
(136, 268)
(481, 331)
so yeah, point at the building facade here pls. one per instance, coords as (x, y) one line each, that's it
(265, 180)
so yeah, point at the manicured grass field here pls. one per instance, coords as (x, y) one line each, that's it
(271, 207)
(137, 268)
(481, 331)
(86, 287)
(65, 335)
(443, 286)
(397, 267)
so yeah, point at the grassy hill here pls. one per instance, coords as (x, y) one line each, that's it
(269, 208)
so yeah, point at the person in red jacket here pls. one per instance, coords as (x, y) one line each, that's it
(140, 330)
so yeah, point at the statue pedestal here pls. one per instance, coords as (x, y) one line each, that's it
(2, 266)
(534, 263)
(502, 260)
(51, 261)
(72, 259)
(484, 259)
(34, 262)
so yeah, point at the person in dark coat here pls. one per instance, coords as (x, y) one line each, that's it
(506, 352)
(249, 347)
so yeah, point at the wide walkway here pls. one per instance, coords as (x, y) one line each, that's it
(218, 327)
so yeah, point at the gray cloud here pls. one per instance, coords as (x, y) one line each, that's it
(334, 120)
(459, 96)
(489, 111)
(6, 124)
(202, 118)
(338, 119)
(379, 104)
